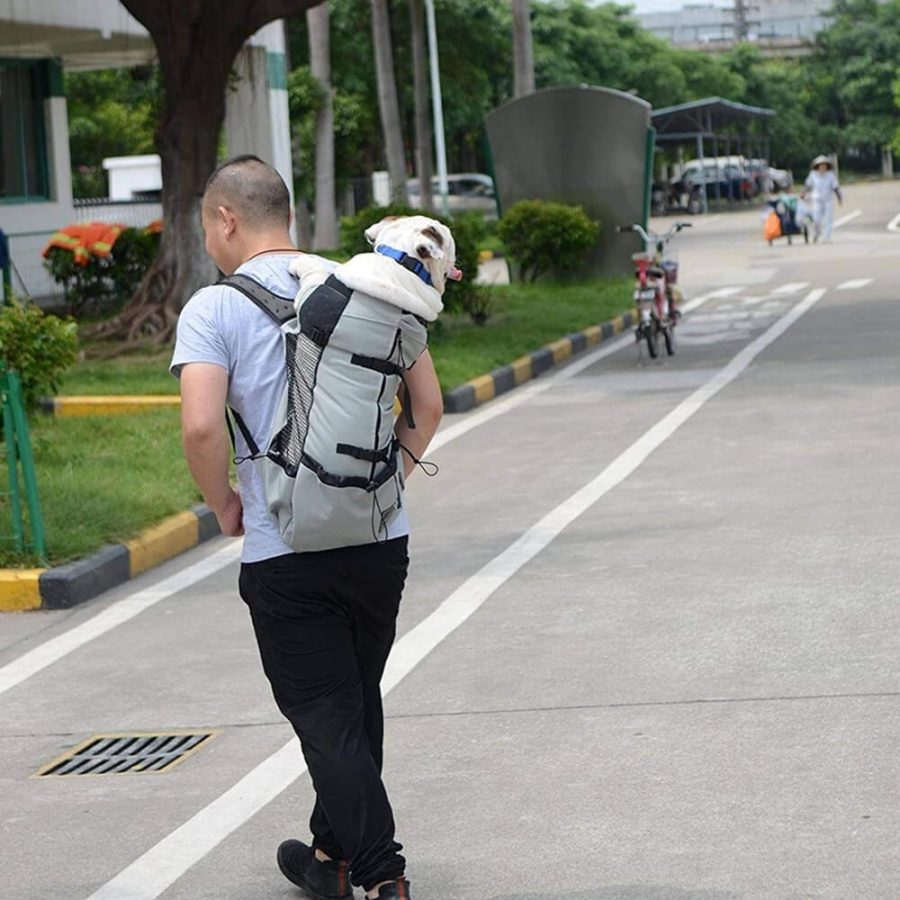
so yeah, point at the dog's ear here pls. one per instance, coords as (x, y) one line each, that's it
(372, 232)
(430, 244)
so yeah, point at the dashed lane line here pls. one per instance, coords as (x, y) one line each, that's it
(854, 284)
(843, 220)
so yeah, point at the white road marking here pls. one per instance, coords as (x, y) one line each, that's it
(894, 224)
(791, 288)
(151, 874)
(725, 291)
(843, 220)
(56, 648)
(854, 284)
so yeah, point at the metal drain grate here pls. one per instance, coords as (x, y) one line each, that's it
(135, 752)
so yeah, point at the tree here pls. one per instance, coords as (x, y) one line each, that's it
(857, 61)
(196, 42)
(420, 92)
(387, 100)
(326, 237)
(523, 55)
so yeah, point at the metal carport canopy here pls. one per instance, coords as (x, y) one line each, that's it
(702, 120)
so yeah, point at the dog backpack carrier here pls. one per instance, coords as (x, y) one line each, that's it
(332, 471)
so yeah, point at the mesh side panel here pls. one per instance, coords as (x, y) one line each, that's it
(302, 360)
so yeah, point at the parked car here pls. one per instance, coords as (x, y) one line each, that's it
(730, 182)
(466, 192)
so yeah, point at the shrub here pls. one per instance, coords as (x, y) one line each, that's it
(105, 284)
(40, 347)
(132, 254)
(541, 237)
(468, 230)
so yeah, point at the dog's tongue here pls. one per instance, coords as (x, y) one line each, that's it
(455, 274)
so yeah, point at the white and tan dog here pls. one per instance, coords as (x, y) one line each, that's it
(413, 258)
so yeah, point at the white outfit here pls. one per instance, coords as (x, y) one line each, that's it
(822, 186)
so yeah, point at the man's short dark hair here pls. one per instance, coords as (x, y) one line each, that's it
(252, 189)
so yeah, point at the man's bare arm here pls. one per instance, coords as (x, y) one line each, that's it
(204, 388)
(427, 404)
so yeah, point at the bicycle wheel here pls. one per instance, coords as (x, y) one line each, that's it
(669, 338)
(651, 334)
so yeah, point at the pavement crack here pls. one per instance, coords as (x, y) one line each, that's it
(698, 701)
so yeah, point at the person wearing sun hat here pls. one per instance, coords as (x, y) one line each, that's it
(822, 186)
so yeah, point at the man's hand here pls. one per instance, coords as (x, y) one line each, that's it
(231, 518)
(204, 388)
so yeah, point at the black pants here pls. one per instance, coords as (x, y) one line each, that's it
(325, 623)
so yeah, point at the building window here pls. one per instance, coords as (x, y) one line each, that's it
(23, 155)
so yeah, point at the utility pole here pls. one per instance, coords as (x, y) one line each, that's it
(742, 10)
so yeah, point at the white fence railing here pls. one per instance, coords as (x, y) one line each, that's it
(30, 279)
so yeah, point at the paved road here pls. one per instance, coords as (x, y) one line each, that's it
(649, 647)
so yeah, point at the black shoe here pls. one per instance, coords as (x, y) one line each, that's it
(395, 890)
(321, 880)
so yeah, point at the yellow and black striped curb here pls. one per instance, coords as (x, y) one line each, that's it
(64, 586)
(479, 390)
(107, 406)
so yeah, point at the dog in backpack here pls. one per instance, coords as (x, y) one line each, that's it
(413, 258)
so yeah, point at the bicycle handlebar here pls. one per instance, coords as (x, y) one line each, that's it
(652, 237)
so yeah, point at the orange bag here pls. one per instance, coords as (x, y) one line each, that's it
(772, 228)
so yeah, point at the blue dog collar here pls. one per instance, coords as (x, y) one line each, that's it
(414, 265)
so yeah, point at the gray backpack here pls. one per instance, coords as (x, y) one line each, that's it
(331, 469)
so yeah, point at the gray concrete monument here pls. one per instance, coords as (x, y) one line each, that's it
(584, 145)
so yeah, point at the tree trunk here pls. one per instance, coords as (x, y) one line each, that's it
(320, 64)
(197, 43)
(387, 100)
(422, 113)
(523, 56)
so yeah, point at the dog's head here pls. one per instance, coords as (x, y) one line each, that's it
(423, 239)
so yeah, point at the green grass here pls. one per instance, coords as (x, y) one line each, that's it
(525, 317)
(103, 480)
(139, 372)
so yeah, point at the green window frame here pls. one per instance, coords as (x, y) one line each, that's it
(24, 86)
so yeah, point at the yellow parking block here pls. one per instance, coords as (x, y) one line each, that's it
(110, 406)
(19, 589)
(618, 323)
(163, 541)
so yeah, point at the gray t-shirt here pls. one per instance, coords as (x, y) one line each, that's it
(220, 325)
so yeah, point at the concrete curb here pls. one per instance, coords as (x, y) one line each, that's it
(479, 390)
(62, 587)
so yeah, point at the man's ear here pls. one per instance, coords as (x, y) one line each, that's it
(227, 220)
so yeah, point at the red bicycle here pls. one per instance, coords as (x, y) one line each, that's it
(656, 292)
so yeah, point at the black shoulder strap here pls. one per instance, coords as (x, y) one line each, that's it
(278, 309)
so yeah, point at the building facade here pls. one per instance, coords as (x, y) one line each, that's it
(39, 41)
(788, 24)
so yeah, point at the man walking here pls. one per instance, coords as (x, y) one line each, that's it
(324, 621)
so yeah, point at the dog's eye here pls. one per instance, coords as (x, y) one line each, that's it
(423, 251)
